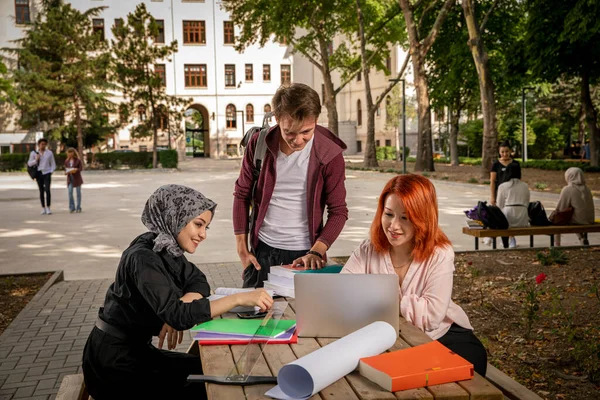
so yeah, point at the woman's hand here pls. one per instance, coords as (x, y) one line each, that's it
(173, 336)
(258, 297)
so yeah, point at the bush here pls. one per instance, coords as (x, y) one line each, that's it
(386, 153)
(18, 161)
(168, 158)
(554, 256)
(117, 160)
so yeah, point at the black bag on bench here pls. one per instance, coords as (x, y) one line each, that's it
(491, 216)
(537, 214)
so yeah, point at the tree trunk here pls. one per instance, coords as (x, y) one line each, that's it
(424, 160)
(454, 124)
(591, 119)
(330, 95)
(79, 129)
(486, 89)
(370, 160)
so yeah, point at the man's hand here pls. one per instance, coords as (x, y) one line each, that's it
(258, 297)
(173, 337)
(247, 259)
(310, 261)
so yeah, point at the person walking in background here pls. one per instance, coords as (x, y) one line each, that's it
(513, 200)
(73, 167)
(46, 165)
(586, 152)
(577, 196)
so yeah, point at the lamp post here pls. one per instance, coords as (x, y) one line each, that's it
(403, 124)
(524, 112)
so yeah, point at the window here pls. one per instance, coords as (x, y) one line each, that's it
(249, 113)
(227, 32)
(194, 32)
(144, 148)
(358, 113)
(232, 149)
(359, 76)
(4, 149)
(377, 143)
(98, 27)
(230, 117)
(118, 22)
(388, 142)
(163, 117)
(249, 73)
(322, 93)
(267, 109)
(160, 72)
(267, 72)
(229, 75)
(160, 38)
(388, 110)
(388, 64)
(195, 75)
(378, 111)
(141, 112)
(22, 15)
(358, 146)
(286, 74)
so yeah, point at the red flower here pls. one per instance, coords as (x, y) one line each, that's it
(469, 262)
(540, 278)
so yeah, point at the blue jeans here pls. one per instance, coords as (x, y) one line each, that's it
(72, 200)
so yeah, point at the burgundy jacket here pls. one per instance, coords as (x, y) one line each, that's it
(75, 178)
(325, 184)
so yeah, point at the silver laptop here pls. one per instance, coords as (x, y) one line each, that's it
(334, 305)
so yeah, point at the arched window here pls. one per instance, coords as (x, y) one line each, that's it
(141, 112)
(267, 109)
(358, 113)
(249, 113)
(230, 117)
(163, 117)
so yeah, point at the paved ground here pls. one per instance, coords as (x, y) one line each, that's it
(46, 340)
(88, 245)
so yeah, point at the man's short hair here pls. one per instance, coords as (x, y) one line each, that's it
(297, 101)
(43, 140)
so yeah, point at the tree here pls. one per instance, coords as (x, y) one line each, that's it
(377, 12)
(62, 68)
(134, 56)
(309, 28)
(6, 90)
(419, 46)
(563, 38)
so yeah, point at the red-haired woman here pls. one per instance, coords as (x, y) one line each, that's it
(406, 240)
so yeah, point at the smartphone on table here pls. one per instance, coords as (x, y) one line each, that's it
(252, 314)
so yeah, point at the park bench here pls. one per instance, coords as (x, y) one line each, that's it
(530, 231)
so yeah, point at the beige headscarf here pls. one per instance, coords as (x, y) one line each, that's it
(574, 177)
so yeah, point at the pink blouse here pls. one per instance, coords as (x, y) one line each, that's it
(425, 293)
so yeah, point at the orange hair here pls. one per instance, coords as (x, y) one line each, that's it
(420, 202)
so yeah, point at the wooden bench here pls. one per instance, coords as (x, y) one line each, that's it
(530, 231)
(220, 360)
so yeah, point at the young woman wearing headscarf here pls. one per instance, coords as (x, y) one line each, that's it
(579, 197)
(157, 292)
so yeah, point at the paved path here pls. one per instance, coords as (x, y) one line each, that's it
(89, 245)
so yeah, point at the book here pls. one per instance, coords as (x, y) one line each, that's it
(416, 367)
(280, 290)
(246, 327)
(474, 224)
(210, 338)
(281, 277)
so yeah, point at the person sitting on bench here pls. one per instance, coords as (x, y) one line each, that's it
(406, 240)
(513, 200)
(577, 196)
(157, 292)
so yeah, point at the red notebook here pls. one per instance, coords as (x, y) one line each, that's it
(208, 342)
(425, 365)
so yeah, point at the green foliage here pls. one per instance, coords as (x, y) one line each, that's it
(6, 89)
(18, 161)
(134, 55)
(472, 132)
(530, 291)
(548, 139)
(473, 180)
(552, 257)
(62, 68)
(386, 153)
(540, 186)
(168, 158)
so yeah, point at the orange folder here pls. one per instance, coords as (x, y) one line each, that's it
(425, 365)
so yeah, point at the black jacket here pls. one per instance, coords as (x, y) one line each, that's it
(147, 289)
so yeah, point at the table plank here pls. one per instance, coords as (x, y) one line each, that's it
(261, 368)
(481, 389)
(218, 361)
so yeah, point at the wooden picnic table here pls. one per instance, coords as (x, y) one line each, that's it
(219, 361)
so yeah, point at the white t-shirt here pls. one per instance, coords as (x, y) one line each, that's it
(286, 222)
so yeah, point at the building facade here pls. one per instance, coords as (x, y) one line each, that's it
(231, 90)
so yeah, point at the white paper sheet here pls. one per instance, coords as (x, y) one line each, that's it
(314, 372)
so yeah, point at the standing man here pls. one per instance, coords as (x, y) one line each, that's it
(302, 171)
(44, 160)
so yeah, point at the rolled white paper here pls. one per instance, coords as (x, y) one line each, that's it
(312, 373)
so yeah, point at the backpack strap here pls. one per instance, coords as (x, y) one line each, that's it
(259, 152)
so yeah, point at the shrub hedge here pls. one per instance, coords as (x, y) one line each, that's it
(167, 158)
(389, 152)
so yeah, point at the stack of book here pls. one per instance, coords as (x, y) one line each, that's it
(244, 331)
(281, 278)
(474, 224)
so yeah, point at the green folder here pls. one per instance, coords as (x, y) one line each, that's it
(245, 326)
(330, 269)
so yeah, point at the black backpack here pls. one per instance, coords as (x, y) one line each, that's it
(32, 170)
(259, 155)
(491, 216)
(537, 214)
